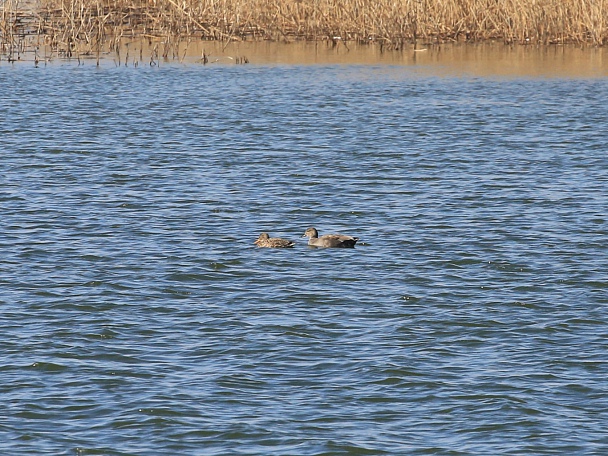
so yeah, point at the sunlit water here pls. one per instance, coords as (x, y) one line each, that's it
(137, 316)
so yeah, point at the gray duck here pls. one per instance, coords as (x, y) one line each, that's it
(329, 240)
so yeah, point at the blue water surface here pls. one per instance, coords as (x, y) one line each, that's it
(137, 316)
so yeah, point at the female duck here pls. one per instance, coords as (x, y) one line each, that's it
(274, 243)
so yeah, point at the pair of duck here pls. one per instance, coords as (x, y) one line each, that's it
(314, 240)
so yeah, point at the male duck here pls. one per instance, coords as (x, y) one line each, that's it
(329, 240)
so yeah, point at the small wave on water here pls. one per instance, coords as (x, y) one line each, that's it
(138, 316)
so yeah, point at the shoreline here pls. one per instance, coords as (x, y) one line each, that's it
(449, 60)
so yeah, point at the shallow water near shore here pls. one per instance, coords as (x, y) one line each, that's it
(139, 318)
(482, 59)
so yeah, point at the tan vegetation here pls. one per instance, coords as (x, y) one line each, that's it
(83, 25)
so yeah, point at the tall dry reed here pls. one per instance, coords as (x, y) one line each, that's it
(19, 27)
(85, 24)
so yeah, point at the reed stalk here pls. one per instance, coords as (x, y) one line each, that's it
(82, 26)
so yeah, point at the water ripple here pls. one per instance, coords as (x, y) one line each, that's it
(138, 316)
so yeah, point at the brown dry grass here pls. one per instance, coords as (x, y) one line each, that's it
(85, 24)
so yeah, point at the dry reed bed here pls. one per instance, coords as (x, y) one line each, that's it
(83, 25)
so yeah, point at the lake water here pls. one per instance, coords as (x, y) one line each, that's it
(137, 316)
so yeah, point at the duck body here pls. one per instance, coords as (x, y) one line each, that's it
(339, 241)
(264, 240)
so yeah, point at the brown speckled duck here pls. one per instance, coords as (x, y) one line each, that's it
(274, 243)
(329, 240)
